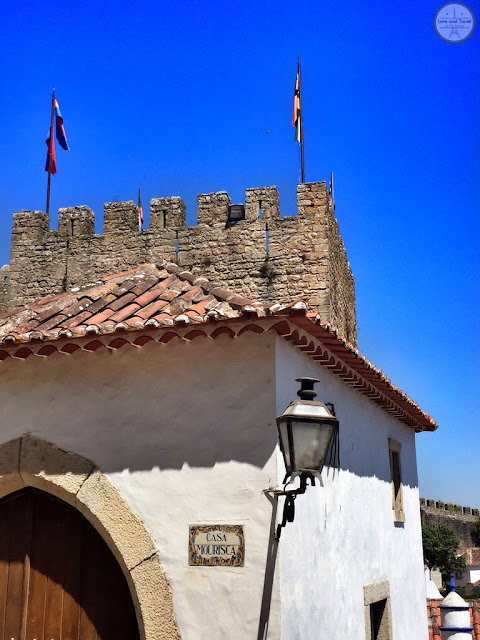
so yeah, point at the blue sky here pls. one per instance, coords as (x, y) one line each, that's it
(197, 96)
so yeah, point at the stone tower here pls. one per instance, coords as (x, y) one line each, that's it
(250, 249)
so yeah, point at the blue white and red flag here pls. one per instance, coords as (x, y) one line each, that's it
(51, 163)
(57, 122)
(59, 128)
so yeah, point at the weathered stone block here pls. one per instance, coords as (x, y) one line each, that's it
(154, 600)
(10, 479)
(262, 203)
(44, 465)
(167, 213)
(105, 505)
(30, 226)
(120, 217)
(212, 208)
(76, 221)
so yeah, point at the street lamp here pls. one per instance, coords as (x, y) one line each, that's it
(307, 429)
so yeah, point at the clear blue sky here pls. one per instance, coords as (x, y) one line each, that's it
(177, 98)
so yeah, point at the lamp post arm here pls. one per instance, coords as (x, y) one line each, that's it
(290, 496)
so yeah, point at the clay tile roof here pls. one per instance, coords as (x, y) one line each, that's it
(163, 296)
(137, 294)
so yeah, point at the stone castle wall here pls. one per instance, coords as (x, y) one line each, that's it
(459, 518)
(265, 256)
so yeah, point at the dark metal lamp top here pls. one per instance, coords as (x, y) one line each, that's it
(306, 391)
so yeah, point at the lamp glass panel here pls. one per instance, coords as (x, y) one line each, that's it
(283, 428)
(313, 409)
(310, 444)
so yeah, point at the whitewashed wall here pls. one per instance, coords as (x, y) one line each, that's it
(474, 573)
(344, 535)
(187, 432)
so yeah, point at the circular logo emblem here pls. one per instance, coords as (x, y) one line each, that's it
(454, 22)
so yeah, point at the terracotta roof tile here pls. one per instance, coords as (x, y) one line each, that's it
(144, 284)
(165, 284)
(220, 292)
(135, 319)
(99, 317)
(125, 313)
(152, 308)
(126, 285)
(149, 296)
(76, 320)
(43, 301)
(77, 306)
(121, 273)
(162, 316)
(51, 322)
(169, 295)
(200, 307)
(28, 326)
(177, 307)
(47, 313)
(189, 294)
(100, 304)
(122, 301)
(101, 290)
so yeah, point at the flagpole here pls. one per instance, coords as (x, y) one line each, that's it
(51, 142)
(301, 122)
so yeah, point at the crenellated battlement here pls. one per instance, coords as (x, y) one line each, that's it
(449, 507)
(460, 519)
(261, 203)
(249, 248)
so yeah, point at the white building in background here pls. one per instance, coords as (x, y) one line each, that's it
(472, 558)
(158, 427)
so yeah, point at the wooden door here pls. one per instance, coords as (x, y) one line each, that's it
(58, 578)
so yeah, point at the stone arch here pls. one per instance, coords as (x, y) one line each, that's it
(32, 462)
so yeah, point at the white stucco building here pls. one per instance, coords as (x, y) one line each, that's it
(472, 573)
(150, 421)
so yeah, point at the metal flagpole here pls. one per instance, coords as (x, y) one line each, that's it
(50, 146)
(301, 121)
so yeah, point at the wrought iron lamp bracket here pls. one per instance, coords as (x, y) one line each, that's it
(290, 496)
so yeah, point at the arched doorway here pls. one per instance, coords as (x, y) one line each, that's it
(58, 578)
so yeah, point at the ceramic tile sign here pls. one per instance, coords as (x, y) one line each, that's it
(216, 545)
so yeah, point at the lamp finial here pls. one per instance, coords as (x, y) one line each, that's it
(306, 391)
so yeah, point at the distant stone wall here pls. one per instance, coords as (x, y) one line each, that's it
(265, 256)
(455, 516)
